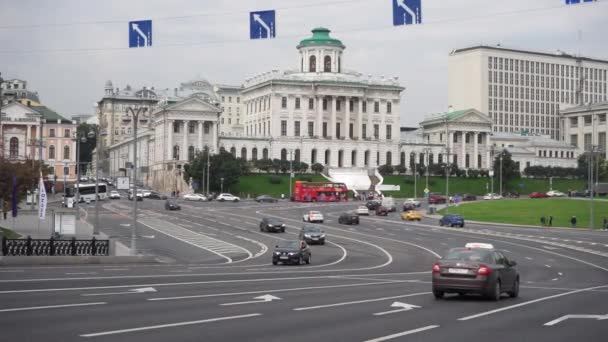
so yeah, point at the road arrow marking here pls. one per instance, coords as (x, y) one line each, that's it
(135, 27)
(402, 307)
(260, 299)
(563, 318)
(133, 291)
(256, 17)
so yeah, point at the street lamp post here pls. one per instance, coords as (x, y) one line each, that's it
(135, 115)
(290, 171)
(97, 152)
(491, 172)
(1, 128)
(79, 139)
(221, 184)
(208, 166)
(415, 172)
(427, 152)
(500, 175)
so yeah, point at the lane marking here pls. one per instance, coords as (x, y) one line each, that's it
(115, 269)
(486, 313)
(359, 301)
(548, 266)
(51, 307)
(170, 325)
(11, 271)
(409, 332)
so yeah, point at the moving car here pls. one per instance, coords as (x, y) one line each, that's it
(381, 211)
(171, 204)
(436, 199)
(157, 196)
(195, 197)
(312, 234)
(372, 205)
(313, 216)
(538, 195)
(389, 203)
(362, 210)
(416, 203)
(265, 198)
(272, 225)
(492, 196)
(469, 197)
(146, 192)
(555, 193)
(408, 207)
(291, 252)
(452, 220)
(348, 218)
(411, 216)
(139, 196)
(227, 197)
(477, 268)
(114, 194)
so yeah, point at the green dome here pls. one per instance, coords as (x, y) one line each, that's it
(320, 36)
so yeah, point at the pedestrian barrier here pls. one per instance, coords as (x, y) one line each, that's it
(54, 247)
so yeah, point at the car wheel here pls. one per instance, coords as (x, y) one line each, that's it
(221, 200)
(462, 225)
(274, 262)
(452, 225)
(419, 220)
(261, 229)
(494, 294)
(440, 224)
(515, 291)
(308, 260)
(283, 230)
(322, 242)
(321, 221)
(236, 200)
(438, 294)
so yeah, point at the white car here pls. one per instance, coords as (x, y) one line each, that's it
(555, 193)
(114, 194)
(146, 192)
(313, 216)
(491, 196)
(412, 201)
(362, 210)
(195, 197)
(227, 197)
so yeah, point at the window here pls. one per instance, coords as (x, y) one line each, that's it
(587, 141)
(66, 133)
(190, 153)
(376, 107)
(66, 152)
(244, 153)
(297, 128)
(176, 127)
(602, 140)
(265, 153)
(364, 131)
(52, 133)
(254, 153)
(313, 156)
(389, 107)
(297, 103)
(230, 99)
(312, 64)
(223, 99)
(376, 131)
(455, 138)
(191, 127)
(350, 130)
(175, 152)
(51, 152)
(389, 133)
(325, 129)
(338, 104)
(338, 130)
(389, 158)
(351, 105)
(238, 99)
(324, 104)
(311, 128)
(327, 64)
(283, 102)
(311, 104)
(283, 127)
(574, 140)
(364, 106)
(14, 147)
(206, 127)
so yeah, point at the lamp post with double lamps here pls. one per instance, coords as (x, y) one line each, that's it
(135, 114)
(80, 139)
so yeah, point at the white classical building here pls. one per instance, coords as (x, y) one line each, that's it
(585, 127)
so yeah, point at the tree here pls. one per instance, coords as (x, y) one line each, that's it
(509, 168)
(28, 176)
(386, 169)
(582, 170)
(276, 165)
(263, 164)
(317, 167)
(86, 148)
(401, 169)
(222, 165)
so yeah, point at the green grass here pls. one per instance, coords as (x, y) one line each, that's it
(529, 211)
(9, 233)
(477, 186)
(259, 184)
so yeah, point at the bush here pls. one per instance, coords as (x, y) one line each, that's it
(385, 169)
(317, 168)
(274, 180)
(304, 178)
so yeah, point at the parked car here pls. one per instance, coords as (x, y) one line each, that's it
(492, 196)
(416, 203)
(381, 211)
(348, 218)
(157, 196)
(139, 196)
(272, 225)
(538, 195)
(227, 197)
(477, 268)
(452, 220)
(265, 198)
(469, 197)
(411, 216)
(313, 216)
(312, 234)
(555, 193)
(171, 204)
(291, 252)
(436, 199)
(373, 204)
(362, 210)
(195, 197)
(146, 192)
(114, 194)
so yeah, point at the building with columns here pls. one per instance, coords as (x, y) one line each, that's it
(585, 126)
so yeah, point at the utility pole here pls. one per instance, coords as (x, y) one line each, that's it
(1, 127)
(42, 121)
(427, 152)
(135, 115)
(222, 185)
(415, 174)
(97, 152)
(208, 166)
(591, 187)
(447, 165)
(290, 171)
(500, 181)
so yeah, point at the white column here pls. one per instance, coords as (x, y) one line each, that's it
(184, 154)
(370, 126)
(346, 121)
(464, 150)
(358, 131)
(214, 136)
(319, 61)
(450, 145)
(200, 136)
(475, 149)
(319, 131)
(28, 134)
(382, 130)
(170, 140)
(332, 125)
(488, 156)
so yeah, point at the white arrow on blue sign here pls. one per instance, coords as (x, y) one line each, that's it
(573, 2)
(262, 25)
(407, 12)
(140, 33)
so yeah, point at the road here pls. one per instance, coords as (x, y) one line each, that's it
(370, 282)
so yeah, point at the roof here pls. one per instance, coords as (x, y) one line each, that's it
(344, 78)
(320, 36)
(560, 54)
(48, 114)
(585, 108)
(450, 115)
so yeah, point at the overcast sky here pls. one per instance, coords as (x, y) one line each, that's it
(68, 49)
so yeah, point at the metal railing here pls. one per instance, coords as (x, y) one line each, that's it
(54, 247)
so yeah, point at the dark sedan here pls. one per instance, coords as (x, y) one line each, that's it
(291, 252)
(265, 198)
(373, 204)
(348, 218)
(172, 205)
(157, 196)
(272, 225)
(483, 271)
(312, 234)
(469, 197)
(381, 211)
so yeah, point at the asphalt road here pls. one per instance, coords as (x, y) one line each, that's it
(217, 282)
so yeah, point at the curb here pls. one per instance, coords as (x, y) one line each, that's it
(517, 225)
(76, 260)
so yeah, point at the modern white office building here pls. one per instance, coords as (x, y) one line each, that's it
(523, 90)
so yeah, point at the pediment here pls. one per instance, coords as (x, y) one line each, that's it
(19, 111)
(193, 104)
(473, 116)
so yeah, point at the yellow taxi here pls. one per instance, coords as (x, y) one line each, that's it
(411, 215)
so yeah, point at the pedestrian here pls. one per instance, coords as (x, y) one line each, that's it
(542, 221)
(550, 221)
(573, 221)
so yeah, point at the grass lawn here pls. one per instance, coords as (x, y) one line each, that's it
(9, 233)
(258, 184)
(529, 211)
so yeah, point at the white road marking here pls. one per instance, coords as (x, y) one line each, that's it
(261, 299)
(554, 279)
(402, 307)
(529, 258)
(359, 301)
(563, 318)
(528, 303)
(560, 273)
(80, 273)
(11, 271)
(51, 307)
(409, 332)
(179, 324)
(115, 269)
(548, 266)
(131, 291)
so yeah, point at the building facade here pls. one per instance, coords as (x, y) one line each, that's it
(232, 116)
(523, 90)
(15, 90)
(585, 127)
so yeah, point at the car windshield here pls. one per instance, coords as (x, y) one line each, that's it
(309, 229)
(362, 207)
(274, 221)
(315, 213)
(464, 254)
(288, 244)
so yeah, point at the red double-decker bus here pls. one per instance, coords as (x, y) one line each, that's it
(319, 192)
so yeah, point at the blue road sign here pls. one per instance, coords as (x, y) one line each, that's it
(262, 25)
(573, 2)
(140, 33)
(407, 12)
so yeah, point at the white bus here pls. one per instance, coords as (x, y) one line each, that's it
(87, 193)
